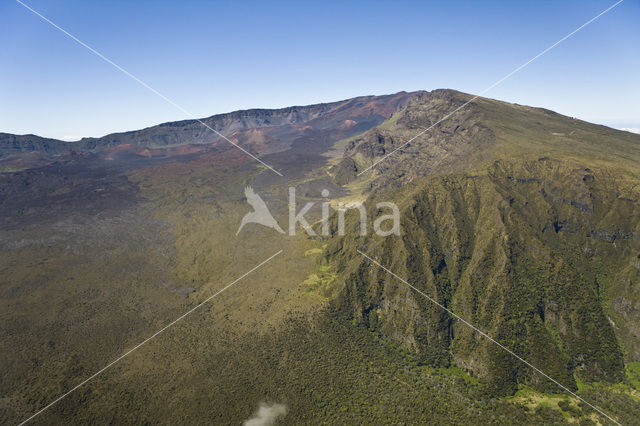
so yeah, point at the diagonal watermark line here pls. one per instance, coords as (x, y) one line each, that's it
(485, 335)
(492, 86)
(127, 73)
(171, 324)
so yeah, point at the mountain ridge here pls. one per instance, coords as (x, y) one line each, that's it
(13, 143)
(523, 221)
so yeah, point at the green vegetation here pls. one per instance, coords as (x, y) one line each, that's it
(328, 373)
(633, 374)
(531, 236)
(519, 251)
(523, 222)
(319, 283)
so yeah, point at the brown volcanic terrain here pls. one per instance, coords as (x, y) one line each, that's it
(277, 127)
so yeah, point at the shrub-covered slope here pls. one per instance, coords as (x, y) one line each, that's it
(520, 220)
(543, 253)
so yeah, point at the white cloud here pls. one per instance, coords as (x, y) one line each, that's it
(266, 415)
(631, 129)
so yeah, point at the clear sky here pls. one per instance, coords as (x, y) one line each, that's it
(212, 57)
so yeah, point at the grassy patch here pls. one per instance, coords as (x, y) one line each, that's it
(313, 251)
(319, 282)
(633, 374)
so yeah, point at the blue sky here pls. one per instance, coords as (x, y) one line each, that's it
(214, 57)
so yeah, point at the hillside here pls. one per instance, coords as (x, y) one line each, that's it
(522, 221)
(271, 123)
(483, 131)
(540, 253)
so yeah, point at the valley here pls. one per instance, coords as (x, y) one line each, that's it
(523, 221)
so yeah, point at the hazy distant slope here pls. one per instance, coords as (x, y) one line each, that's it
(363, 111)
(17, 144)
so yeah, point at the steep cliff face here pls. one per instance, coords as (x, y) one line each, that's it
(420, 140)
(520, 220)
(17, 144)
(540, 254)
(427, 137)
